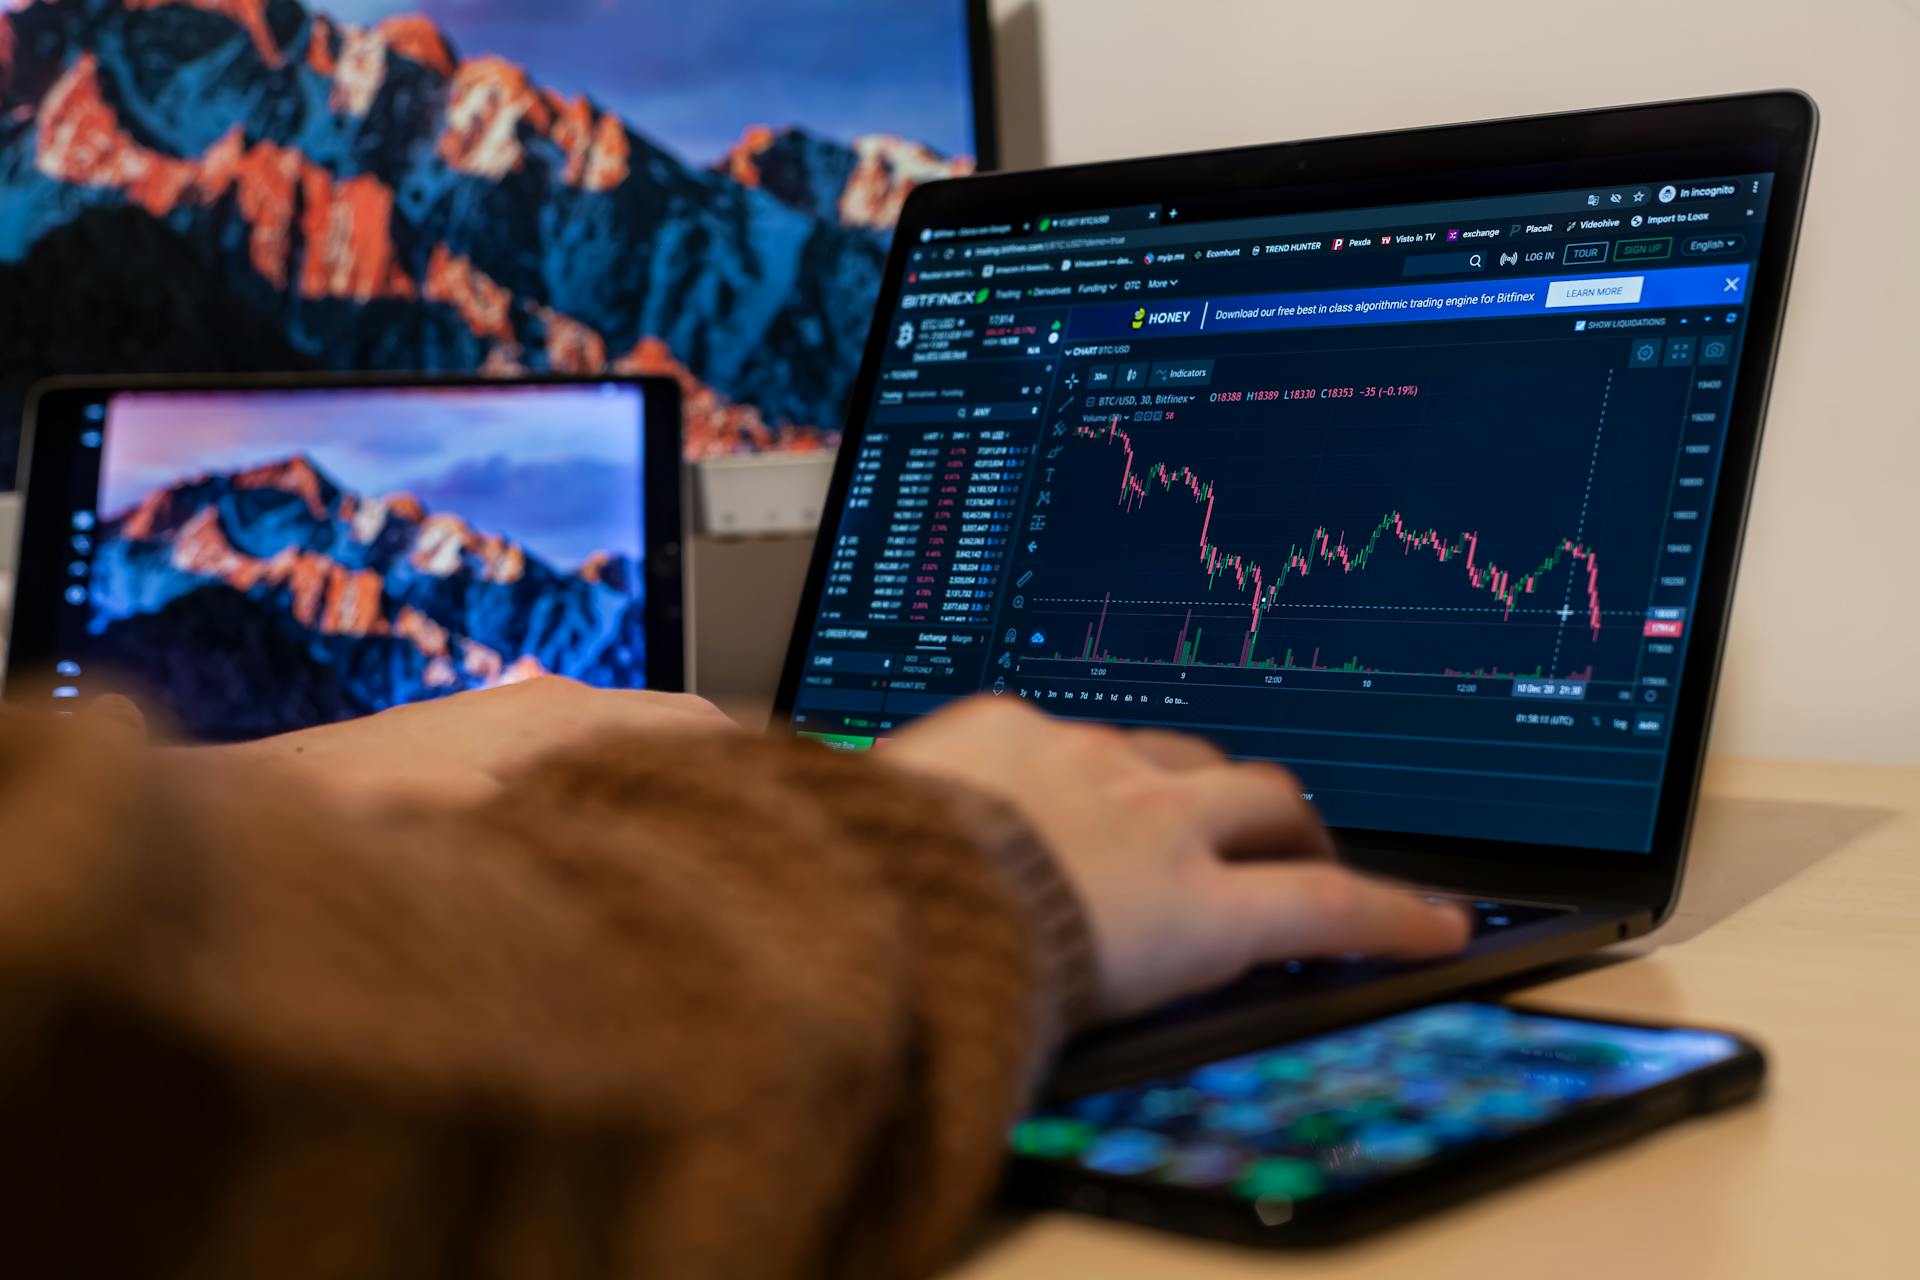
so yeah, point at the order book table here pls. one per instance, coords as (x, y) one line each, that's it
(1800, 924)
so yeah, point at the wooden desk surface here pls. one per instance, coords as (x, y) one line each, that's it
(1800, 924)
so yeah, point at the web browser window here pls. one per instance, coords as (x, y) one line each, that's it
(1411, 499)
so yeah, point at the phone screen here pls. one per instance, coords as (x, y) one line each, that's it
(1332, 1114)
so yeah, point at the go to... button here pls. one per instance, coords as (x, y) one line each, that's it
(1600, 291)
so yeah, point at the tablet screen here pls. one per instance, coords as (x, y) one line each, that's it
(254, 561)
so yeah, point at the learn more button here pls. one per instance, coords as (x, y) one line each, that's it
(1595, 291)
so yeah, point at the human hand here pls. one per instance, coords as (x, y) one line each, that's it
(461, 748)
(1157, 833)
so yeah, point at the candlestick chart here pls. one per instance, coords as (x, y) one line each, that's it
(1320, 554)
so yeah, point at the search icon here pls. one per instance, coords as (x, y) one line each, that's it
(1440, 264)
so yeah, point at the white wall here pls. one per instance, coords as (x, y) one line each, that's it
(1824, 659)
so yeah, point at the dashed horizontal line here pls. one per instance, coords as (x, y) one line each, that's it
(1412, 608)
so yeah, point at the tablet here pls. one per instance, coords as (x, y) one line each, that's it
(252, 556)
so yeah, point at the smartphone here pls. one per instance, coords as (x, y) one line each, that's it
(1332, 1137)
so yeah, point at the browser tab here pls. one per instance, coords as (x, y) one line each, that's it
(1124, 219)
(969, 231)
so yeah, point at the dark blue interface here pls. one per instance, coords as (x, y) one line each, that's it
(1410, 499)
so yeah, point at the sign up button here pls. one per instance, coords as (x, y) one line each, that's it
(1606, 291)
(1643, 250)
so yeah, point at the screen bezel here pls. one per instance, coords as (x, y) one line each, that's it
(1762, 132)
(1447, 1179)
(984, 85)
(51, 429)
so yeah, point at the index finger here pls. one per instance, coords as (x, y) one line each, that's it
(1252, 810)
(116, 714)
(1174, 752)
(1297, 912)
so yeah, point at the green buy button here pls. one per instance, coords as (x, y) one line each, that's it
(841, 741)
(1643, 250)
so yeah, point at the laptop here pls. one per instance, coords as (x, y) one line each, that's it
(256, 555)
(1417, 462)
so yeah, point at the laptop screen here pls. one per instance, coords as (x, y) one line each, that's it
(1411, 499)
(259, 560)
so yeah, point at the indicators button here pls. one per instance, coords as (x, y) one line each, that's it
(1181, 373)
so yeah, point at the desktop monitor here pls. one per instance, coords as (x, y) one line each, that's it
(700, 191)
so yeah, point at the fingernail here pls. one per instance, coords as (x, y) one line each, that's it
(1457, 915)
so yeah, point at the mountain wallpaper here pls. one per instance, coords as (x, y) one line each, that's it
(219, 185)
(273, 598)
(268, 560)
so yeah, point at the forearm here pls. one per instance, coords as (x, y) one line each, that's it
(687, 1007)
(906, 953)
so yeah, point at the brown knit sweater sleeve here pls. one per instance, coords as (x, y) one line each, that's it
(686, 1007)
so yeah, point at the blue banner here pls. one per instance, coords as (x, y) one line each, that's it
(1415, 303)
